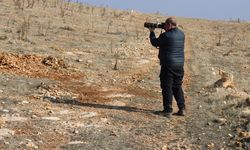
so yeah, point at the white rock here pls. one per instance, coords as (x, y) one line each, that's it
(246, 113)
(70, 53)
(104, 120)
(5, 110)
(33, 116)
(124, 95)
(64, 112)
(116, 103)
(51, 118)
(31, 145)
(89, 61)
(142, 62)
(79, 60)
(75, 142)
(220, 120)
(6, 132)
(12, 118)
(24, 102)
(75, 131)
(230, 135)
(88, 114)
(165, 147)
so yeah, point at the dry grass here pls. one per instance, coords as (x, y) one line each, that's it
(85, 48)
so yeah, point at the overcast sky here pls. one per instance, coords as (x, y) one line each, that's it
(208, 9)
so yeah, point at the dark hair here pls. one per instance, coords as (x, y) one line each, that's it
(172, 21)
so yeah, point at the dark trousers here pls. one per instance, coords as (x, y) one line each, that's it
(171, 84)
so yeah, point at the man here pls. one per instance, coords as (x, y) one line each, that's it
(171, 55)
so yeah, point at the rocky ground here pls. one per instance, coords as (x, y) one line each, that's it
(82, 77)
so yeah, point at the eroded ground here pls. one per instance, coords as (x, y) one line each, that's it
(85, 77)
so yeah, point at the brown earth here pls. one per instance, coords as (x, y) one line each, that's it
(81, 77)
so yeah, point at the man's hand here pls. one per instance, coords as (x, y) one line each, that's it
(151, 29)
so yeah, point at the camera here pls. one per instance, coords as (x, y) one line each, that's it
(154, 25)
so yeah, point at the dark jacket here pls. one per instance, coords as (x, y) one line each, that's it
(171, 47)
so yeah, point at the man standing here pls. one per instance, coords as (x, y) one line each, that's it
(171, 55)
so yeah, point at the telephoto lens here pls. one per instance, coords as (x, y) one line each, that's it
(154, 25)
(161, 25)
(150, 25)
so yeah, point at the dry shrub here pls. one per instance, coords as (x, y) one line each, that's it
(103, 11)
(62, 10)
(21, 4)
(24, 28)
(116, 60)
(18, 4)
(68, 28)
(30, 3)
(219, 38)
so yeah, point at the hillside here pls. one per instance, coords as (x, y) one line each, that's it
(82, 77)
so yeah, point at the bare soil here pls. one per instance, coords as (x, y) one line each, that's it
(82, 77)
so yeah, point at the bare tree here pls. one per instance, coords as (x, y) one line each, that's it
(109, 24)
(126, 30)
(30, 3)
(219, 42)
(18, 4)
(116, 60)
(24, 29)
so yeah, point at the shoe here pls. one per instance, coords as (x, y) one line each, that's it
(164, 113)
(180, 113)
(168, 115)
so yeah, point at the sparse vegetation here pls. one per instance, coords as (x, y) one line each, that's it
(75, 76)
(109, 24)
(116, 60)
(30, 3)
(219, 40)
(24, 28)
(18, 4)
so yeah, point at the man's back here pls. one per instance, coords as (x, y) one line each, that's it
(171, 47)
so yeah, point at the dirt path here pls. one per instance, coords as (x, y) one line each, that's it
(211, 122)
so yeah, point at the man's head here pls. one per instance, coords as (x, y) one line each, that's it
(170, 23)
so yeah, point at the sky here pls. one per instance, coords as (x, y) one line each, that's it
(203, 9)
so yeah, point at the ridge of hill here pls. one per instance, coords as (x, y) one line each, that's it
(83, 77)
